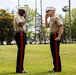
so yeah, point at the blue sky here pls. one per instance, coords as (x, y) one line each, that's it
(58, 4)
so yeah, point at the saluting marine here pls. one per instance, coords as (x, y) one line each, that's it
(20, 37)
(56, 29)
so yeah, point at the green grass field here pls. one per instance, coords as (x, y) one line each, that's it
(38, 60)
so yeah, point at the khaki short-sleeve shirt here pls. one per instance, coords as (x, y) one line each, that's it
(54, 24)
(17, 20)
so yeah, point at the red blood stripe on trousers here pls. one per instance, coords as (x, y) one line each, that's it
(56, 49)
(21, 50)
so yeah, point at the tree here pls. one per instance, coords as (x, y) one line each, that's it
(30, 21)
(46, 35)
(6, 26)
(73, 24)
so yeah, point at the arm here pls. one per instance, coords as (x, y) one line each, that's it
(14, 23)
(20, 21)
(60, 32)
(46, 21)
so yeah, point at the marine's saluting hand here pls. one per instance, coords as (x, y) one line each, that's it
(46, 16)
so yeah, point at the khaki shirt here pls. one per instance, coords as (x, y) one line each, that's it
(54, 24)
(17, 20)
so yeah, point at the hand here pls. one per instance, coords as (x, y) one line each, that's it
(25, 15)
(21, 23)
(57, 39)
(46, 16)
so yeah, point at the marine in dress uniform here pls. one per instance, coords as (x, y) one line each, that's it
(56, 29)
(20, 37)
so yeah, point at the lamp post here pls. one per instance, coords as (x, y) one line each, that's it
(35, 18)
(18, 2)
(65, 9)
(39, 25)
(41, 13)
(41, 19)
(70, 19)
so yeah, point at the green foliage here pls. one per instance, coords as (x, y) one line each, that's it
(45, 34)
(73, 24)
(30, 22)
(6, 26)
(31, 15)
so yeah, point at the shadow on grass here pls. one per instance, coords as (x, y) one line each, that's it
(44, 73)
(14, 73)
(11, 73)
